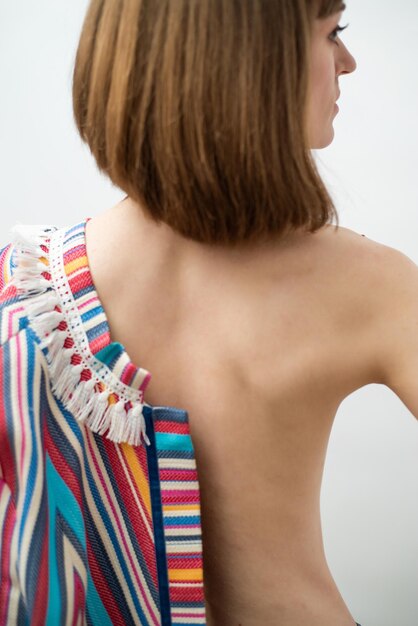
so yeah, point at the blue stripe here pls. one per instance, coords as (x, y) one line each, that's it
(195, 538)
(176, 454)
(73, 229)
(108, 525)
(74, 251)
(182, 556)
(97, 330)
(170, 414)
(157, 517)
(138, 545)
(34, 463)
(82, 292)
(88, 315)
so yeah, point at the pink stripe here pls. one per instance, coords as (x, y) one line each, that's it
(19, 395)
(11, 319)
(145, 382)
(84, 304)
(128, 374)
(3, 260)
(156, 619)
(178, 493)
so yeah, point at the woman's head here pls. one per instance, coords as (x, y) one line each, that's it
(205, 111)
(328, 62)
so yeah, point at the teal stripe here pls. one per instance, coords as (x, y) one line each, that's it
(185, 519)
(170, 441)
(109, 353)
(60, 499)
(96, 611)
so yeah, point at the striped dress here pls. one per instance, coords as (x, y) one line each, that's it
(99, 493)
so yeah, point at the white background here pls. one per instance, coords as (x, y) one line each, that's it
(369, 499)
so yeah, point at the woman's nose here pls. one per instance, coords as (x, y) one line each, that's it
(348, 63)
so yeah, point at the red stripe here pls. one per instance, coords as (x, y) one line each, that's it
(99, 577)
(128, 374)
(40, 607)
(79, 281)
(61, 465)
(74, 253)
(180, 496)
(7, 529)
(186, 593)
(6, 453)
(178, 474)
(182, 563)
(177, 428)
(131, 496)
(79, 597)
(99, 342)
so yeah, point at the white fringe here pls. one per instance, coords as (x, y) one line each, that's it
(89, 405)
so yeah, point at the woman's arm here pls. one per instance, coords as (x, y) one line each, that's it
(396, 330)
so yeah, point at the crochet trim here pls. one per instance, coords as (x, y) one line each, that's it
(86, 385)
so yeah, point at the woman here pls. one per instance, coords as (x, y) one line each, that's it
(191, 497)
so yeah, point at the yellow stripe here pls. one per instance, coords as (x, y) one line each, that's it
(72, 266)
(185, 574)
(138, 475)
(181, 507)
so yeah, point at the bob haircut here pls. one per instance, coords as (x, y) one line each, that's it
(197, 110)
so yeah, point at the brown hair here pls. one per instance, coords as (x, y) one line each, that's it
(197, 110)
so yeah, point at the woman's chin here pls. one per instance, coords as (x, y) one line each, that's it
(324, 141)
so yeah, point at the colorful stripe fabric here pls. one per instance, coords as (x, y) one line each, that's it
(94, 529)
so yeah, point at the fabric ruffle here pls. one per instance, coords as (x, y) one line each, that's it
(86, 386)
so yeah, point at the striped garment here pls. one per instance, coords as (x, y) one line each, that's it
(99, 493)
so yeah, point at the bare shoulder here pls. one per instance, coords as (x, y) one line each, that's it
(377, 286)
(384, 283)
(390, 276)
(349, 241)
(356, 263)
(372, 263)
(395, 336)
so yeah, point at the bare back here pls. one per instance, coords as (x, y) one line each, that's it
(260, 356)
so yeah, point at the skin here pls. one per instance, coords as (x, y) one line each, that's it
(329, 60)
(220, 330)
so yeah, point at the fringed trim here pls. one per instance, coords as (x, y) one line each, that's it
(82, 382)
